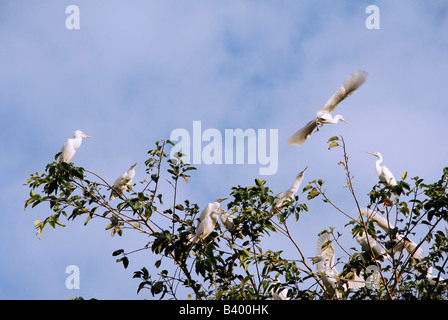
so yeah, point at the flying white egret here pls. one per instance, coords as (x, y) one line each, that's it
(123, 183)
(207, 225)
(323, 115)
(324, 262)
(70, 146)
(283, 196)
(209, 208)
(227, 221)
(382, 171)
(398, 241)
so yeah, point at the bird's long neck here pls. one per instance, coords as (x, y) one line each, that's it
(335, 119)
(377, 164)
(295, 186)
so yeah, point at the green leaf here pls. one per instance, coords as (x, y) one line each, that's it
(333, 144)
(117, 252)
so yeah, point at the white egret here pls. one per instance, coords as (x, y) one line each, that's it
(123, 183)
(209, 208)
(398, 241)
(433, 280)
(366, 242)
(70, 146)
(227, 221)
(324, 262)
(323, 115)
(207, 225)
(382, 171)
(279, 293)
(283, 196)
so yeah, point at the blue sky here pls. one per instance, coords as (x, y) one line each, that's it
(135, 71)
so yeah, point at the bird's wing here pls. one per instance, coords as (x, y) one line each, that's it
(390, 179)
(353, 82)
(206, 212)
(300, 136)
(67, 151)
(411, 247)
(375, 216)
(325, 248)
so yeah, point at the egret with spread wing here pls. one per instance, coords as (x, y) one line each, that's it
(70, 146)
(324, 262)
(323, 115)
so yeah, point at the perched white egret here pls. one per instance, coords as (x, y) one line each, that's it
(283, 196)
(323, 115)
(398, 241)
(365, 240)
(324, 262)
(383, 172)
(433, 280)
(207, 225)
(70, 146)
(210, 208)
(279, 293)
(227, 221)
(123, 183)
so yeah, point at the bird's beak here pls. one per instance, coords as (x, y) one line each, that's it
(221, 199)
(371, 153)
(221, 211)
(86, 136)
(345, 121)
(305, 169)
(133, 166)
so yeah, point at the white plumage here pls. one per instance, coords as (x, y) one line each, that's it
(227, 221)
(211, 206)
(323, 115)
(384, 174)
(283, 196)
(123, 183)
(398, 241)
(324, 262)
(70, 146)
(207, 225)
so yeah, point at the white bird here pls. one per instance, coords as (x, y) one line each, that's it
(398, 241)
(324, 262)
(323, 115)
(286, 195)
(207, 225)
(278, 294)
(227, 221)
(366, 242)
(211, 206)
(123, 183)
(382, 171)
(70, 146)
(433, 280)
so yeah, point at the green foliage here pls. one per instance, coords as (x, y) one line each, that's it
(222, 266)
